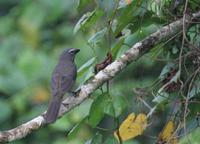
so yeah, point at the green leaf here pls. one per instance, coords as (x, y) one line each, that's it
(175, 50)
(125, 17)
(195, 89)
(61, 124)
(161, 96)
(119, 104)
(157, 7)
(5, 110)
(132, 39)
(97, 109)
(97, 139)
(86, 66)
(192, 137)
(82, 4)
(175, 77)
(72, 134)
(88, 19)
(109, 108)
(88, 74)
(117, 47)
(97, 37)
(130, 17)
(166, 69)
(111, 140)
(116, 106)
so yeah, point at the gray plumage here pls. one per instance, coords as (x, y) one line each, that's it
(63, 79)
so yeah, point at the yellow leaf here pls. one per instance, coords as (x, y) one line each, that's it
(167, 135)
(131, 127)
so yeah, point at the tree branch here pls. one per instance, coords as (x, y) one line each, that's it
(106, 74)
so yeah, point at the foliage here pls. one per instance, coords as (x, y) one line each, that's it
(165, 81)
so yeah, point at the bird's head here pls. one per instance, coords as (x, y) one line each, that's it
(69, 54)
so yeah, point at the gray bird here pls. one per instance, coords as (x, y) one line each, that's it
(63, 79)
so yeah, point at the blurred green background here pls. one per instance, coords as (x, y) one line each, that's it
(32, 35)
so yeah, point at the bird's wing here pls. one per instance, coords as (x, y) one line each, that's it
(67, 82)
(63, 82)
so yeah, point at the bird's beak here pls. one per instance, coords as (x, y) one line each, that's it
(76, 50)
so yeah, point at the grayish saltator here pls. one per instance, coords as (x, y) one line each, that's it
(63, 79)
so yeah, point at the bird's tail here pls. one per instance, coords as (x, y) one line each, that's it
(52, 111)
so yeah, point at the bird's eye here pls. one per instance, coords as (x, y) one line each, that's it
(71, 51)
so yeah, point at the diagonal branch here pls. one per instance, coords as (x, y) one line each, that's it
(108, 73)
